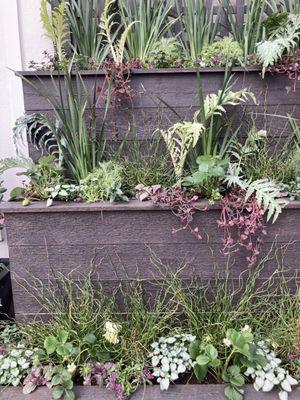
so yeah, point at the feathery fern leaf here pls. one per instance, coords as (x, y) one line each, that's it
(180, 139)
(267, 195)
(55, 25)
(284, 40)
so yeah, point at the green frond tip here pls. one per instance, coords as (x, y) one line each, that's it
(56, 26)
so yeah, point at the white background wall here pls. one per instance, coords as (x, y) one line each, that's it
(21, 40)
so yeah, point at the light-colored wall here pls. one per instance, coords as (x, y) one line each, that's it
(21, 40)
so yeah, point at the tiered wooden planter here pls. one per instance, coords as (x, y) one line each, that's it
(178, 88)
(190, 392)
(119, 238)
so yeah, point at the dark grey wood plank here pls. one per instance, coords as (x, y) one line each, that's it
(178, 392)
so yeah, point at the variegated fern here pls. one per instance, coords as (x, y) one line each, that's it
(55, 25)
(180, 139)
(107, 25)
(214, 103)
(266, 192)
(286, 39)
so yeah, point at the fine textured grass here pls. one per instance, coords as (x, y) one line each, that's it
(263, 302)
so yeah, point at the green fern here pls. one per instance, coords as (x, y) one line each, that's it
(267, 195)
(286, 39)
(180, 139)
(55, 25)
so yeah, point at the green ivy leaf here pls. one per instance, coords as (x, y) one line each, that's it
(16, 194)
(211, 351)
(56, 380)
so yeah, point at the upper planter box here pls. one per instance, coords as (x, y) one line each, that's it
(179, 89)
(119, 239)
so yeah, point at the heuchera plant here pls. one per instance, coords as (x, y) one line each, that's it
(243, 224)
(288, 65)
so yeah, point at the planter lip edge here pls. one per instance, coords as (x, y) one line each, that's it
(16, 207)
(144, 71)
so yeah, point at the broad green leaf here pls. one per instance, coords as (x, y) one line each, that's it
(50, 344)
(62, 336)
(90, 338)
(233, 394)
(200, 371)
(202, 359)
(194, 349)
(57, 392)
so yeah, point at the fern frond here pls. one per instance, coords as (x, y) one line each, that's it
(267, 195)
(234, 177)
(21, 161)
(214, 103)
(55, 25)
(285, 40)
(180, 139)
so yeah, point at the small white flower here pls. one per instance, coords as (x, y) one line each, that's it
(227, 342)
(71, 368)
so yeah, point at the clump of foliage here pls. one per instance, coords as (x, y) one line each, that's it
(219, 54)
(104, 183)
(198, 26)
(289, 65)
(151, 17)
(284, 39)
(207, 178)
(41, 176)
(165, 53)
(147, 167)
(170, 358)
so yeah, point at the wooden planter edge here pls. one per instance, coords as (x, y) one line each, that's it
(132, 205)
(189, 392)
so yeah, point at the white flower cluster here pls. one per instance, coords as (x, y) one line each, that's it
(170, 358)
(14, 365)
(266, 378)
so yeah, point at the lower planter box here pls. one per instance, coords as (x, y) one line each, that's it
(188, 392)
(118, 239)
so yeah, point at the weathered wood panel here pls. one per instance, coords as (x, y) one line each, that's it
(177, 87)
(119, 239)
(178, 392)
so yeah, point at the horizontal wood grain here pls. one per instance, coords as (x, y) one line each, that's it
(178, 392)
